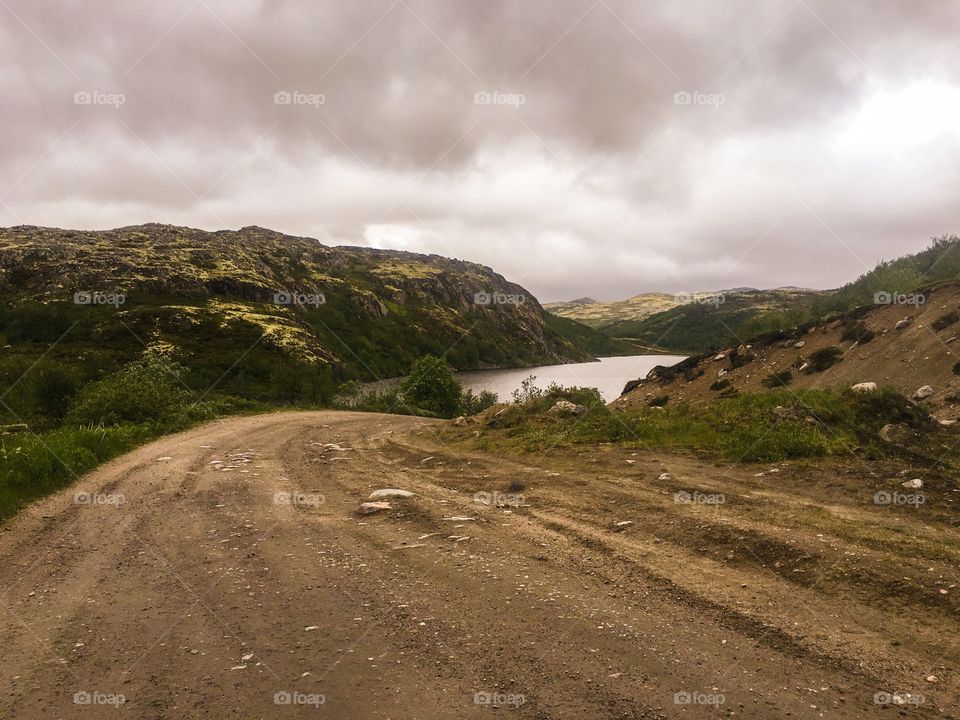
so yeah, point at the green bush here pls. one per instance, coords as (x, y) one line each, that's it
(824, 358)
(432, 386)
(471, 404)
(147, 390)
(778, 379)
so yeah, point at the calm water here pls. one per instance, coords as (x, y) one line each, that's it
(608, 376)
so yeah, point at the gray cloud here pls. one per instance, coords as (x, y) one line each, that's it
(810, 147)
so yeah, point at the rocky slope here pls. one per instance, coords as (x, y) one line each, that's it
(905, 346)
(598, 314)
(360, 311)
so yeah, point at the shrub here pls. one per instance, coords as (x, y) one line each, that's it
(147, 390)
(825, 358)
(858, 332)
(778, 379)
(945, 321)
(720, 385)
(528, 390)
(471, 404)
(431, 386)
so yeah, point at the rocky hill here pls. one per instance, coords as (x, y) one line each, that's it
(908, 342)
(598, 314)
(254, 297)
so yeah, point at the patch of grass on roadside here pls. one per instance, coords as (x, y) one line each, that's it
(33, 465)
(757, 427)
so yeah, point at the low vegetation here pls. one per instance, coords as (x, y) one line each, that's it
(757, 427)
(431, 389)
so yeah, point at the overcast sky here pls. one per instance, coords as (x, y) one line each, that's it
(580, 148)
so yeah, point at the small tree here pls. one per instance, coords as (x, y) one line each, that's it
(432, 386)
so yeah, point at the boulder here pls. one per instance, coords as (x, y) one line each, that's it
(864, 387)
(915, 484)
(923, 393)
(902, 324)
(389, 493)
(368, 508)
(460, 421)
(565, 407)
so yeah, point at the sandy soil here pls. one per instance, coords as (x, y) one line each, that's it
(185, 584)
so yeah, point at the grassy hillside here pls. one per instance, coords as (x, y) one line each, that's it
(744, 313)
(718, 319)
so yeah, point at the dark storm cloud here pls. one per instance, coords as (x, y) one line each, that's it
(600, 148)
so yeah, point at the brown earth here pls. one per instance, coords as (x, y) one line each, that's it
(919, 354)
(204, 594)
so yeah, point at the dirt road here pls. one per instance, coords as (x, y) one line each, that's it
(225, 573)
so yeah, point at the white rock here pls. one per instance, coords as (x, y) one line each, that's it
(902, 324)
(389, 493)
(915, 484)
(665, 476)
(864, 387)
(799, 344)
(720, 357)
(923, 393)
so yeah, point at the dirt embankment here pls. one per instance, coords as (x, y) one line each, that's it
(906, 344)
(226, 573)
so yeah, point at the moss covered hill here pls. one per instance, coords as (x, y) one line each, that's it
(598, 314)
(255, 305)
(716, 319)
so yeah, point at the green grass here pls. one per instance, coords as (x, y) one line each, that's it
(32, 466)
(758, 427)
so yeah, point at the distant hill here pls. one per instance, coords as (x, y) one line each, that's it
(715, 319)
(263, 309)
(601, 314)
(710, 320)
